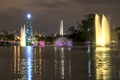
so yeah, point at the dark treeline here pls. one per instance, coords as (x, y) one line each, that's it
(84, 31)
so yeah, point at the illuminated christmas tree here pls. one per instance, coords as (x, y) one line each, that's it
(29, 32)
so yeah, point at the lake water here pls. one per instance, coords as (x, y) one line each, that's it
(59, 63)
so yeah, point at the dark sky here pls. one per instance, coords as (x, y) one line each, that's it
(46, 14)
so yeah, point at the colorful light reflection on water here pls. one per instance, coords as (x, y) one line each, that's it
(59, 63)
(103, 68)
(29, 62)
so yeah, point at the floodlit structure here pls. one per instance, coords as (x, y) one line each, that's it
(62, 41)
(61, 28)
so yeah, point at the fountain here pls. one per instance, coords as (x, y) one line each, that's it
(102, 31)
(23, 39)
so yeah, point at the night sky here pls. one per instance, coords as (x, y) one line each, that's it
(46, 14)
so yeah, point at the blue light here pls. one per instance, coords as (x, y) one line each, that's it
(29, 62)
(28, 15)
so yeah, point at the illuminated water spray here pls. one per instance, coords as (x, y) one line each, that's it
(23, 39)
(102, 31)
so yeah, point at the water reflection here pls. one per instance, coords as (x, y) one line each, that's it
(69, 63)
(59, 63)
(103, 68)
(62, 63)
(26, 62)
(89, 61)
(55, 61)
(29, 62)
(40, 53)
(17, 61)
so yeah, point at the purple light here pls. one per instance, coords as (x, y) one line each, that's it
(42, 43)
(36, 44)
(62, 41)
(59, 43)
(69, 43)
